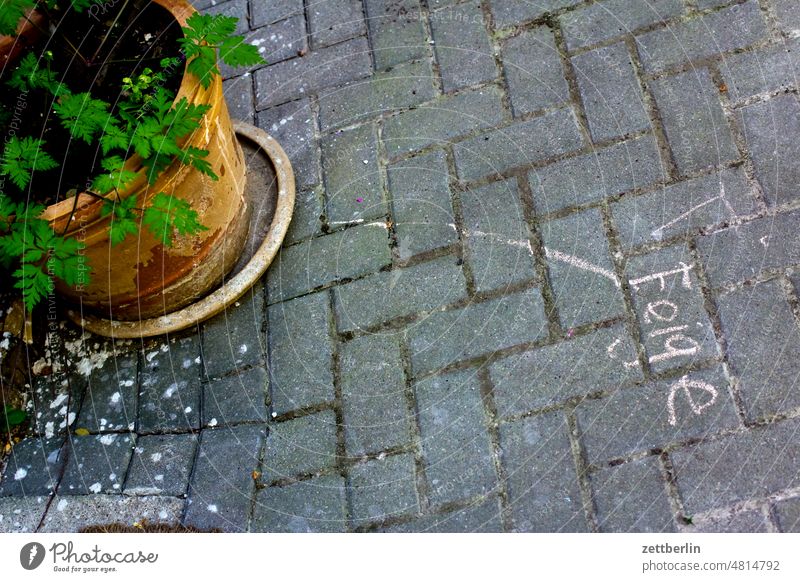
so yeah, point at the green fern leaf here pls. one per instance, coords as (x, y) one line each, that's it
(11, 13)
(22, 157)
(82, 115)
(34, 283)
(235, 52)
(167, 214)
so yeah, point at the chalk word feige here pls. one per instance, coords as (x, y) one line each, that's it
(677, 343)
(661, 311)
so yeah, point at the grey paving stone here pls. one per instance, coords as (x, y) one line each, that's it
(111, 395)
(72, 514)
(603, 20)
(769, 128)
(763, 347)
(300, 446)
(161, 465)
(419, 189)
(672, 211)
(542, 482)
(275, 42)
(293, 126)
(399, 293)
(316, 505)
(235, 8)
(755, 463)
(352, 176)
(434, 4)
(234, 339)
(522, 143)
(788, 17)
(533, 71)
(696, 127)
(442, 120)
(396, 31)
(262, 12)
(788, 514)
(169, 395)
(706, 4)
(383, 488)
(333, 21)
(482, 518)
(646, 417)
(221, 491)
(595, 176)
(670, 310)
(403, 86)
(21, 514)
(52, 405)
(508, 12)
(462, 46)
(700, 37)
(736, 254)
(201, 5)
(308, 209)
(33, 467)
(480, 328)
(497, 236)
(300, 353)
(455, 442)
(316, 70)
(373, 395)
(319, 261)
(767, 69)
(581, 269)
(96, 464)
(552, 374)
(238, 93)
(632, 498)
(238, 398)
(610, 92)
(751, 521)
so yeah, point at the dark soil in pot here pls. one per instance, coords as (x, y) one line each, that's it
(92, 52)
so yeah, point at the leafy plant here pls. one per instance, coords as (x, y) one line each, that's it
(204, 35)
(22, 157)
(146, 120)
(11, 417)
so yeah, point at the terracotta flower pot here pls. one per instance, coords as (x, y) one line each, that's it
(140, 277)
(28, 32)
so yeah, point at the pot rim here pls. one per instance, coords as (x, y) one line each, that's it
(237, 285)
(88, 206)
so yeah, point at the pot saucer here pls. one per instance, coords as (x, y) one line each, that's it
(271, 191)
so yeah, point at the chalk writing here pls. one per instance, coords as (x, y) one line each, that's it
(581, 264)
(686, 385)
(611, 354)
(661, 277)
(658, 311)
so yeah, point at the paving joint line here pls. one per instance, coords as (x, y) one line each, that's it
(424, 14)
(721, 341)
(492, 428)
(412, 411)
(341, 444)
(669, 166)
(581, 465)
(739, 139)
(671, 490)
(631, 318)
(555, 330)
